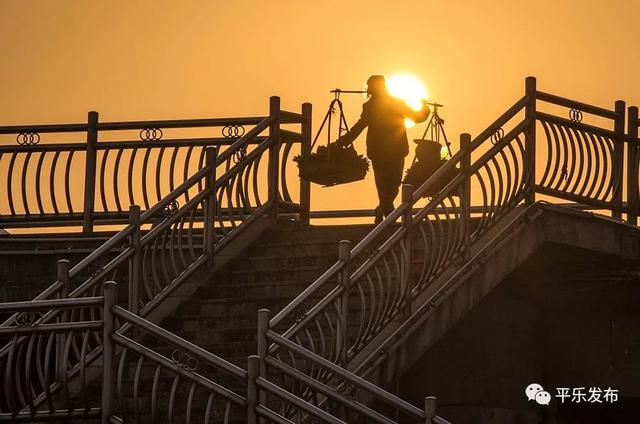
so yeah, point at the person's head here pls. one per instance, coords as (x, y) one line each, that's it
(376, 85)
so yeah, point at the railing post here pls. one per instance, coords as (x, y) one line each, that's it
(263, 346)
(632, 166)
(430, 403)
(530, 140)
(465, 198)
(344, 255)
(618, 157)
(274, 154)
(135, 262)
(407, 220)
(305, 149)
(210, 205)
(63, 277)
(253, 371)
(108, 351)
(90, 172)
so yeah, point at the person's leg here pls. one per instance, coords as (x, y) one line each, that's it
(379, 177)
(388, 174)
(393, 179)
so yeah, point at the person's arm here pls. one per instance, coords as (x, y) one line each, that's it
(350, 136)
(419, 116)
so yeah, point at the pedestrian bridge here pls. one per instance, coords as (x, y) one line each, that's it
(169, 226)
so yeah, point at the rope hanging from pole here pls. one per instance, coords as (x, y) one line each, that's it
(333, 164)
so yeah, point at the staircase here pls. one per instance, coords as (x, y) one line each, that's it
(284, 321)
(222, 314)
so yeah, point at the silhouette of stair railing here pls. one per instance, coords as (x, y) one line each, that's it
(149, 374)
(345, 316)
(182, 239)
(322, 389)
(94, 183)
(33, 368)
(334, 333)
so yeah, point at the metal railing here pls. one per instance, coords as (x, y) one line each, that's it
(32, 383)
(320, 389)
(313, 353)
(149, 374)
(347, 314)
(95, 182)
(183, 238)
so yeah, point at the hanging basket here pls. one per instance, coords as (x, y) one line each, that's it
(332, 165)
(427, 161)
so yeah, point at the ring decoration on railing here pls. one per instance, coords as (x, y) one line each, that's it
(151, 134)
(301, 312)
(184, 360)
(497, 136)
(239, 155)
(575, 115)
(28, 318)
(233, 131)
(28, 139)
(171, 209)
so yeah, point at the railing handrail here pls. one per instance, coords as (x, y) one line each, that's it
(34, 305)
(363, 244)
(131, 125)
(151, 328)
(573, 104)
(350, 377)
(179, 123)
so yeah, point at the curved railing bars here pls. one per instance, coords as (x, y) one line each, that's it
(187, 227)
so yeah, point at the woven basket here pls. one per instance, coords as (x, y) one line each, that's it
(426, 163)
(332, 165)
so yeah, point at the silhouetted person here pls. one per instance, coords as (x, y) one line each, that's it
(387, 144)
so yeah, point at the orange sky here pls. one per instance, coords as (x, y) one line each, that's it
(168, 59)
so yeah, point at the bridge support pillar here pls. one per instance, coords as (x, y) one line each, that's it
(430, 403)
(632, 166)
(90, 173)
(530, 141)
(305, 149)
(253, 370)
(274, 155)
(135, 262)
(344, 255)
(108, 350)
(210, 205)
(465, 198)
(407, 221)
(618, 157)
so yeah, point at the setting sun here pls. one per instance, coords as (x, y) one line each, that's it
(409, 89)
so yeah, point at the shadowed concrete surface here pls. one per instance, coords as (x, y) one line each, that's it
(565, 317)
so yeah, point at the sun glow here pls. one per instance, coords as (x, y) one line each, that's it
(409, 89)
